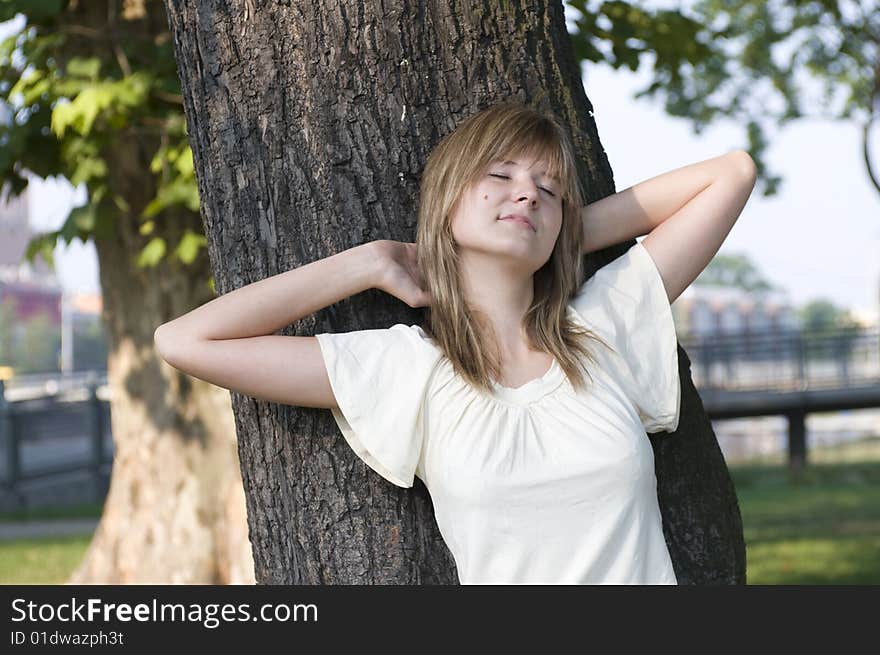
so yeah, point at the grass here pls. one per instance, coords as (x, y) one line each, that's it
(41, 561)
(44, 560)
(823, 528)
(88, 510)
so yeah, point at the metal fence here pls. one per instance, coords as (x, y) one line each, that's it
(785, 360)
(52, 427)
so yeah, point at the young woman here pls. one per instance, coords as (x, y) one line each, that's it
(536, 475)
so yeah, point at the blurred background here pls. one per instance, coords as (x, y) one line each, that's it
(781, 328)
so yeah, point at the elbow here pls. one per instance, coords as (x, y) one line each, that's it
(745, 164)
(176, 347)
(160, 341)
(166, 343)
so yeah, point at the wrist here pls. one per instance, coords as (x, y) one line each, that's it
(368, 264)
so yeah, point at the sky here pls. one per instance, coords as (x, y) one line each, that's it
(818, 238)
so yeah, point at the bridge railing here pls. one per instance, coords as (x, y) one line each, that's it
(785, 359)
(47, 434)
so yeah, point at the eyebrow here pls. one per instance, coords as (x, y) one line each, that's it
(544, 172)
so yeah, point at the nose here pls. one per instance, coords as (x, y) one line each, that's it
(528, 192)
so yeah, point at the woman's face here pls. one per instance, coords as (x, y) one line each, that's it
(511, 186)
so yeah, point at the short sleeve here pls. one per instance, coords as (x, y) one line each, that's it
(626, 304)
(379, 378)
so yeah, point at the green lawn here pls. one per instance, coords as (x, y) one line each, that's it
(87, 510)
(44, 561)
(40, 561)
(821, 529)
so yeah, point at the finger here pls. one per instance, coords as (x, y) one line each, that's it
(420, 297)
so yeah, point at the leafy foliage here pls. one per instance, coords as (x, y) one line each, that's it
(750, 61)
(733, 271)
(822, 314)
(75, 81)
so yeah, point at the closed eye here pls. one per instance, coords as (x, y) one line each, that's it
(504, 177)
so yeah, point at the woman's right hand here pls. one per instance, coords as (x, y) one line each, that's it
(397, 272)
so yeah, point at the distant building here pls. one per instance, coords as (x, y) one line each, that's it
(709, 310)
(29, 299)
(84, 345)
(33, 288)
(15, 233)
(86, 304)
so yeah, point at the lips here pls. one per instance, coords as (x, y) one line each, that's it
(520, 218)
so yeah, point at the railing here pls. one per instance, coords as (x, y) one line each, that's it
(785, 360)
(37, 385)
(45, 435)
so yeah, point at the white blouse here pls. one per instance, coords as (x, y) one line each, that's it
(537, 484)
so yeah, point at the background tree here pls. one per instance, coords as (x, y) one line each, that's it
(829, 330)
(37, 346)
(32, 345)
(310, 126)
(89, 345)
(751, 61)
(94, 97)
(734, 271)
(823, 314)
(7, 326)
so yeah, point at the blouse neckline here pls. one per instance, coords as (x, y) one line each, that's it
(537, 388)
(533, 389)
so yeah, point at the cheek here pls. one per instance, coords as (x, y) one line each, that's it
(558, 227)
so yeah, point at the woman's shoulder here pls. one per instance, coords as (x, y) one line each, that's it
(414, 342)
(415, 334)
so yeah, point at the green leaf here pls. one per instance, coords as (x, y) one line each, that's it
(121, 203)
(25, 82)
(43, 245)
(158, 159)
(80, 114)
(36, 92)
(89, 68)
(78, 223)
(184, 163)
(152, 253)
(189, 246)
(84, 218)
(113, 98)
(88, 169)
(179, 192)
(63, 114)
(147, 228)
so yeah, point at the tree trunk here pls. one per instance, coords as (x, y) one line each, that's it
(175, 511)
(310, 125)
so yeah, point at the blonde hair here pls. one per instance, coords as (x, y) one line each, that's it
(504, 129)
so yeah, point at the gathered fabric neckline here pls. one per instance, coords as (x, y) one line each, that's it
(533, 389)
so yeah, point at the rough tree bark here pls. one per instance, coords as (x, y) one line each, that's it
(175, 511)
(310, 125)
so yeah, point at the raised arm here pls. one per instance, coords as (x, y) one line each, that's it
(229, 341)
(686, 213)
